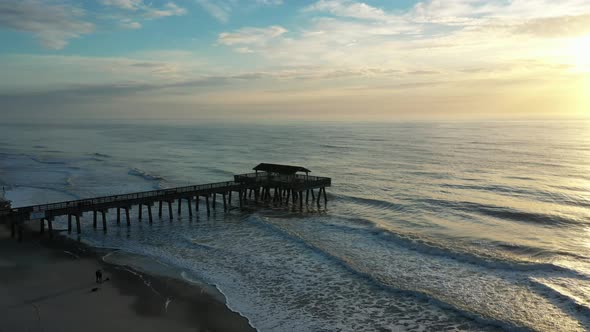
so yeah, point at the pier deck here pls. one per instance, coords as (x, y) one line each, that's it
(260, 186)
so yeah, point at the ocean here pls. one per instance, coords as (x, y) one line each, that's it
(429, 226)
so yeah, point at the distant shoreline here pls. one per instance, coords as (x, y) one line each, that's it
(47, 285)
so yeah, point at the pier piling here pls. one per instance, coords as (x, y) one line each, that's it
(301, 200)
(127, 216)
(78, 229)
(50, 226)
(20, 232)
(190, 207)
(149, 207)
(170, 210)
(104, 221)
(319, 196)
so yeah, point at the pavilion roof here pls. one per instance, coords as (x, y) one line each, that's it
(281, 169)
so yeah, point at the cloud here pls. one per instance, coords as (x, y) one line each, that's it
(341, 33)
(124, 4)
(133, 12)
(251, 36)
(52, 24)
(454, 12)
(145, 10)
(562, 26)
(269, 2)
(169, 9)
(221, 10)
(424, 72)
(434, 49)
(129, 24)
(99, 77)
(42, 72)
(346, 8)
(108, 92)
(218, 9)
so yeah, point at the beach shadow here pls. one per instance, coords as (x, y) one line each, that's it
(86, 286)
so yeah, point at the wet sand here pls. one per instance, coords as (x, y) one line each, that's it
(47, 286)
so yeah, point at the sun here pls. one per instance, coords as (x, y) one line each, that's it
(579, 52)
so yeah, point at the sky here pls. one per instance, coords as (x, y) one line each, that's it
(284, 59)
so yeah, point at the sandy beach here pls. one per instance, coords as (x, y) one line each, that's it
(48, 286)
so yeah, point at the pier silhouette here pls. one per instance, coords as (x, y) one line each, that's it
(270, 183)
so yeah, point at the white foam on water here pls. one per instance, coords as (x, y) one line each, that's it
(493, 294)
(24, 196)
(569, 289)
(283, 284)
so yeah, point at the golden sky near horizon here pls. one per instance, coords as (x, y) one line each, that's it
(326, 59)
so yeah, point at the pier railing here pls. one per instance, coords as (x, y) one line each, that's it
(160, 194)
(241, 181)
(251, 181)
(257, 185)
(295, 180)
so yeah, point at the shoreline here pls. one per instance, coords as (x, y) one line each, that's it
(36, 292)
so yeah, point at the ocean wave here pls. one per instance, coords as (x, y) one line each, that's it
(214, 170)
(543, 196)
(47, 162)
(524, 178)
(69, 183)
(337, 147)
(448, 290)
(144, 175)
(381, 204)
(98, 156)
(427, 246)
(221, 172)
(212, 290)
(196, 243)
(537, 252)
(491, 188)
(22, 193)
(505, 213)
(564, 292)
(428, 174)
(397, 289)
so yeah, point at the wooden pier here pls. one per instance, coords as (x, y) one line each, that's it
(279, 184)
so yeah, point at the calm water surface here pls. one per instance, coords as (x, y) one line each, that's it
(430, 226)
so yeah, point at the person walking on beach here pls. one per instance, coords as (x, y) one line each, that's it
(98, 276)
